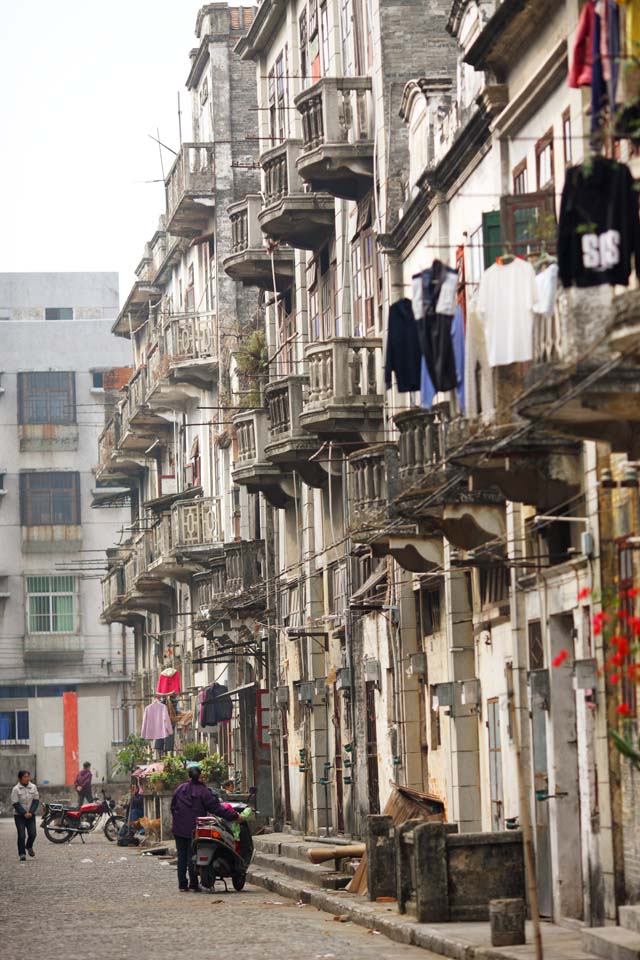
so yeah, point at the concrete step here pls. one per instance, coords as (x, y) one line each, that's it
(612, 943)
(630, 918)
(309, 873)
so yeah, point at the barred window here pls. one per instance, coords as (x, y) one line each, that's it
(14, 726)
(49, 498)
(51, 604)
(48, 397)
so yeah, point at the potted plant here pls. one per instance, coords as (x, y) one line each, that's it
(135, 752)
(157, 782)
(195, 751)
(214, 768)
(174, 772)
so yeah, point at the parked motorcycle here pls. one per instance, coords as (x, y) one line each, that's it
(62, 821)
(223, 850)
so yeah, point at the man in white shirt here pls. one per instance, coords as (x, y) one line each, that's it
(25, 800)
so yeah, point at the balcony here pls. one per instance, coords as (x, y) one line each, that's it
(190, 348)
(113, 591)
(253, 469)
(208, 589)
(113, 463)
(289, 446)
(53, 647)
(190, 190)
(580, 384)
(337, 127)
(292, 213)
(252, 262)
(373, 483)
(244, 574)
(345, 387)
(196, 528)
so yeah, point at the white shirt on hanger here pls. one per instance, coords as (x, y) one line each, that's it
(505, 302)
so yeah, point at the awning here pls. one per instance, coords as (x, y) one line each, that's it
(373, 581)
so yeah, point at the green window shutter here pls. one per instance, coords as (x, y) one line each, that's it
(491, 237)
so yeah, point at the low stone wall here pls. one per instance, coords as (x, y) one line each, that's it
(441, 875)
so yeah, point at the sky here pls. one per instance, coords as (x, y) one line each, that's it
(82, 85)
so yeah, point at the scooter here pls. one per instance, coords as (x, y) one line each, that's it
(223, 850)
(62, 822)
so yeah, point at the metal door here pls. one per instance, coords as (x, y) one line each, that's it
(495, 763)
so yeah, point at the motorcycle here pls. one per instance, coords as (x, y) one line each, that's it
(223, 850)
(62, 821)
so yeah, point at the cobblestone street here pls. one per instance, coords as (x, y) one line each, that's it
(120, 904)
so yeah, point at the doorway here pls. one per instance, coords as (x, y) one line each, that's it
(495, 763)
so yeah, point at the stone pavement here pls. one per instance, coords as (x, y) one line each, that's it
(121, 904)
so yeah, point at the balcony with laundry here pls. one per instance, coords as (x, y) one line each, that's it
(253, 469)
(337, 136)
(345, 393)
(289, 446)
(292, 213)
(190, 190)
(254, 261)
(584, 381)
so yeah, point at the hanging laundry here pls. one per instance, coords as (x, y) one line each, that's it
(427, 389)
(599, 98)
(169, 681)
(581, 61)
(546, 290)
(599, 227)
(156, 723)
(215, 707)
(505, 303)
(403, 348)
(165, 744)
(436, 300)
(478, 375)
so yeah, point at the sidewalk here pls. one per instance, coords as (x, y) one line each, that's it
(280, 865)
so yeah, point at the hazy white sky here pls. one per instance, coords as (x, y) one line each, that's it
(82, 84)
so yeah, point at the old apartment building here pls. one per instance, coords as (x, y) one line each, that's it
(63, 673)
(410, 566)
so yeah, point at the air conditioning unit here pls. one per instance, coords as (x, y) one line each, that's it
(306, 691)
(320, 686)
(282, 696)
(343, 679)
(372, 672)
(471, 693)
(418, 665)
(445, 694)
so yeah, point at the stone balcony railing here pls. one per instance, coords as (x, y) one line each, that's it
(196, 523)
(291, 446)
(419, 443)
(253, 468)
(292, 213)
(113, 588)
(131, 571)
(242, 565)
(345, 385)
(162, 537)
(191, 179)
(338, 133)
(190, 336)
(373, 483)
(251, 261)
(106, 447)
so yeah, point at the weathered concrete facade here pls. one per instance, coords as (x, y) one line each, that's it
(58, 361)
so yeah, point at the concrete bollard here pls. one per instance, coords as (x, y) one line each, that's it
(507, 922)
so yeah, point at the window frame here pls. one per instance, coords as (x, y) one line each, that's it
(48, 311)
(567, 145)
(546, 142)
(31, 514)
(520, 175)
(48, 396)
(49, 590)
(17, 740)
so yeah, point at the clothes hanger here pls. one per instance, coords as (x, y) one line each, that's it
(507, 256)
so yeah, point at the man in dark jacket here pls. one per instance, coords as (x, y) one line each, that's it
(192, 800)
(25, 800)
(83, 784)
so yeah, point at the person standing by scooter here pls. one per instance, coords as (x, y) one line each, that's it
(25, 800)
(191, 800)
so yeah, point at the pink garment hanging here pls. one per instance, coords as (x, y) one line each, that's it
(581, 62)
(169, 682)
(156, 724)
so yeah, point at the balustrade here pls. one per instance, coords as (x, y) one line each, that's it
(191, 178)
(419, 444)
(189, 337)
(196, 522)
(344, 368)
(373, 477)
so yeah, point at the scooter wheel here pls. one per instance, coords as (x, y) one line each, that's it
(238, 880)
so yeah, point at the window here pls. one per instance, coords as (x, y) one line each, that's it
(46, 398)
(278, 99)
(286, 336)
(322, 312)
(528, 222)
(536, 646)
(14, 726)
(494, 584)
(363, 264)
(51, 604)
(429, 614)
(626, 608)
(49, 498)
(190, 295)
(520, 177)
(435, 734)
(544, 160)
(324, 37)
(303, 35)
(566, 137)
(58, 313)
(97, 380)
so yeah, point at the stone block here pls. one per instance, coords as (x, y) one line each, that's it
(507, 918)
(381, 866)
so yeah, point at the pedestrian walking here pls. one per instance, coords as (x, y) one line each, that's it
(191, 800)
(83, 784)
(25, 800)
